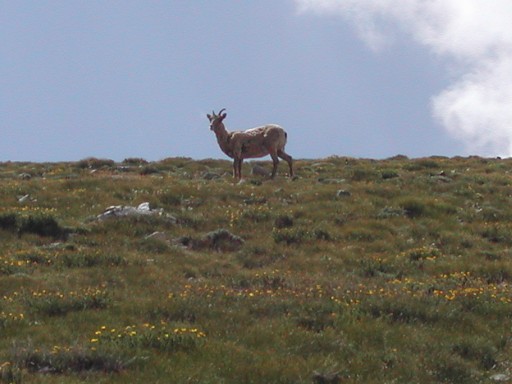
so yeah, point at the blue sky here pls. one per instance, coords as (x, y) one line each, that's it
(120, 79)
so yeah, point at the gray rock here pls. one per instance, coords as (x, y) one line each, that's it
(258, 170)
(343, 193)
(326, 378)
(331, 181)
(162, 236)
(25, 176)
(210, 175)
(143, 209)
(24, 199)
(500, 377)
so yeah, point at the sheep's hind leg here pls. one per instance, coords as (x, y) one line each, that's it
(286, 157)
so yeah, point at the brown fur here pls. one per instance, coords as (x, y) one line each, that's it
(252, 143)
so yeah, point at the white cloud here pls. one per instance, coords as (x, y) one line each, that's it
(474, 35)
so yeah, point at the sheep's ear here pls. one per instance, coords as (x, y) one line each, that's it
(224, 115)
(209, 116)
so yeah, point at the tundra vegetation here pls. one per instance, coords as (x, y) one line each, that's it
(355, 271)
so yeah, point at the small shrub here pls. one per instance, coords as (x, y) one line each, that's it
(423, 253)
(8, 222)
(449, 368)
(59, 360)
(148, 170)
(10, 373)
(363, 174)
(94, 163)
(389, 212)
(477, 350)
(42, 225)
(135, 161)
(413, 208)
(222, 240)
(289, 236)
(322, 234)
(257, 257)
(389, 174)
(283, 221)
(497, 233)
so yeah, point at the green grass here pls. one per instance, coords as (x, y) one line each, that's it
(389, 271)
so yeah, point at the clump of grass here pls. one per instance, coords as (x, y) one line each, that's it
(372, 267)
(11, 266)
(10, 373)
(56, 303)
(11, 318)
(258, 257)
(403, 309)
(316, 317)
(497, 233)
(87, 260)
(162, 337)
(423, 253)
(417, 165)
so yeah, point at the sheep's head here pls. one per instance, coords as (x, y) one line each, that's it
(216, 119)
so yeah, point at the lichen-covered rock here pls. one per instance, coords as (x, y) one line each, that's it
(143, 209)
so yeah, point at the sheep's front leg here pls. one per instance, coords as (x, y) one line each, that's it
(240, 161)
(237, 168)
(275, 161)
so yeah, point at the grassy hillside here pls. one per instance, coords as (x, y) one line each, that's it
(356, 271)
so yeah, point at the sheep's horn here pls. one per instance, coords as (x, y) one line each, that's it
(222, 110)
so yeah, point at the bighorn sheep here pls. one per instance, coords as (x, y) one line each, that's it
(256, 142)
